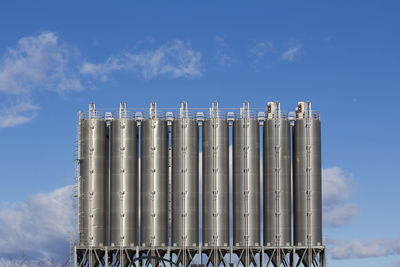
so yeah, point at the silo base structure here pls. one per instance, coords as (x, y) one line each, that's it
(160, 187)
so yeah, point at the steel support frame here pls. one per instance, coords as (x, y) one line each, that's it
(318, 256)
(229, 256)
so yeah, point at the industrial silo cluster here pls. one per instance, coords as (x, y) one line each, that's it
(157, 185)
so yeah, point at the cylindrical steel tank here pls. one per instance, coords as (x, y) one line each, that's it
(307, 198)
(154, 181)
(246, 180)
(185, 181)
(124, 182)
(93, 181)
(277, 178)
(215, 139)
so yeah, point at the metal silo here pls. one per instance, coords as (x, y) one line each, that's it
(246, 179)
(154, 180)
(93, 181)
(277, 181)
(307, 198)
(124, 180)
(185, 181)
(215, 179)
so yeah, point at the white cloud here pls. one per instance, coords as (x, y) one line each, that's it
(175, 59)
(290, 54)
(221, 41)
(40, 226)
(364, 249)
(261, 52)
(20, 112)
(339, 215)
(38, 62)
(259, 49)
(336, 189)
(224, 58)
(43, 222)
(45, 62)
(22, 260)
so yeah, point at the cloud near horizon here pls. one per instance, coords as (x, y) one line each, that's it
(39, 226)
(338, 210)
(356, 249)
(43, 222)
(336, 188)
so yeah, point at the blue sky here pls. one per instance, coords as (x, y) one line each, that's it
(344, 56)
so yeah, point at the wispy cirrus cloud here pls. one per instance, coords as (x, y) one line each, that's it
(175, 59)
(292, 52)
(223, 56)
(259, 50)
(19, 112)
